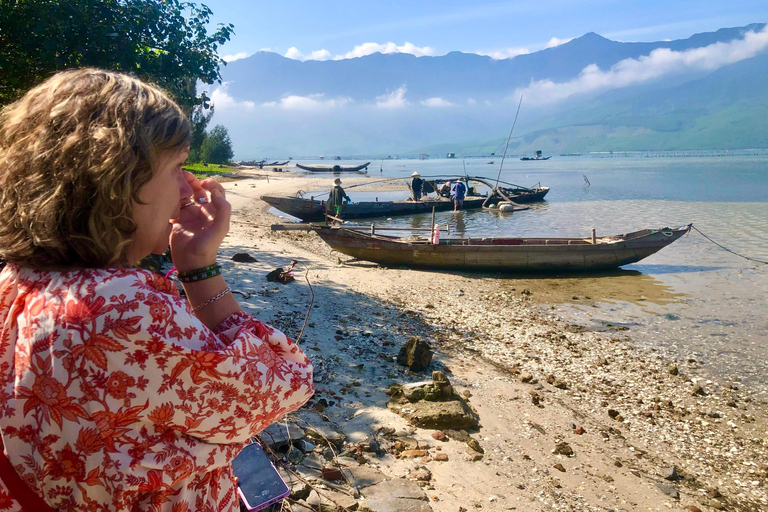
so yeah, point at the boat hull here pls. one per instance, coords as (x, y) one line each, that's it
(503, 254)
(310, 210)
(333, 169)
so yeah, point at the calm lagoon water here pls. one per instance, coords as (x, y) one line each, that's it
(692, 300)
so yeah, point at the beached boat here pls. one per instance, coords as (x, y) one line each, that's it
(502, 254)
(333, 168)
(310, 210)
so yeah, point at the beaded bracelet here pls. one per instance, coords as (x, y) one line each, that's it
(199, 274)
(211, 300)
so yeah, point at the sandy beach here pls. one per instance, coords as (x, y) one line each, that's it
(570, 419)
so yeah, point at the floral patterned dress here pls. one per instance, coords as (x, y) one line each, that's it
(114, 397)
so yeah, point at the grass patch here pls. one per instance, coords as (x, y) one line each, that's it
(201, 170)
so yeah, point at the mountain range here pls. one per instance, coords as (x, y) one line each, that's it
(709, 91)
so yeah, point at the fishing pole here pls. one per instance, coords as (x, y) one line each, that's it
(507, 144)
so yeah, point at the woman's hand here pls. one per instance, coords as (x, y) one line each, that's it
(201, 226)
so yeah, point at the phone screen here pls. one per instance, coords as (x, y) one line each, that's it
(259, 483)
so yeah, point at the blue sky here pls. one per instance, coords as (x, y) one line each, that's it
(337, 29)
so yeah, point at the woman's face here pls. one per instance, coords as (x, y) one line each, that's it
(162, 197)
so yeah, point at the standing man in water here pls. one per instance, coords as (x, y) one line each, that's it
(459, 190)
(416, 186)
(336, 198)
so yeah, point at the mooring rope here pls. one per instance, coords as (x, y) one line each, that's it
(727, 249)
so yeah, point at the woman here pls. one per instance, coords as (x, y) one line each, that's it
(116, 393)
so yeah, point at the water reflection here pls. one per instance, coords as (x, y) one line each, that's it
(610, 286)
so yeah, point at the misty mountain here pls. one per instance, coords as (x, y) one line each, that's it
(281, 106)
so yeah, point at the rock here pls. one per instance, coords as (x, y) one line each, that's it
(330, 501)
(416, 354)
(330, 473)
(563, 448)
(526, 377)
(671, 474)
(559, 467)
(458, 435)
(475, 445)
(280, 434)
(439, 388)
(299, 489)
(395, 496)
(579, 431)
(673, 369)
(441, 457)
(449, 414)
(669, 490)
(322, 435)
(361, 477)
(421, 474)
(244, 257)
(693, 508)
(613, 413)
(698, 391)
(407, 454)
(439, 435)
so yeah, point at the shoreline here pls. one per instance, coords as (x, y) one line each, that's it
(533, 379)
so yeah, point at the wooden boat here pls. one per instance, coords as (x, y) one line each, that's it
(310, 210)
(507, 254)
(334, 168)
(537, 157)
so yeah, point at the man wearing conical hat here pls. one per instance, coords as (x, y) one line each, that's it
(336, 198)
(416, 186)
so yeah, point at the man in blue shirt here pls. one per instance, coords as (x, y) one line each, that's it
(458, 191)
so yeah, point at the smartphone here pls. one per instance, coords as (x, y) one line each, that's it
(259, 483)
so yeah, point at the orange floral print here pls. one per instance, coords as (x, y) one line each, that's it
(115, 397)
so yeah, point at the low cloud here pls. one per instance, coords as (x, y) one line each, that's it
(361, 51)
(223, 101)
(237, 56)
(393, 100)
(295, 54)
(371, 48)
(311, 102)
(509, 53)
(436, 102)
(658, 63)
(555, 41)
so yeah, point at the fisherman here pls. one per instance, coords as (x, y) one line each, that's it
(336, 198)
(416, 186)
(458, 191)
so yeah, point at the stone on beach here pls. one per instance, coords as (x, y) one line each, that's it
(416, 354)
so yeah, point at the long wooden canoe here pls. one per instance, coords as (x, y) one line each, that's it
(333, 168)
(310, 210)
(506, 254)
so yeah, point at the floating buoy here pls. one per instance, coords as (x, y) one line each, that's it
(506, 206)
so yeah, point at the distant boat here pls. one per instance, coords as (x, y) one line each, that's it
(502, 254)
(334, 168)
(537, 157)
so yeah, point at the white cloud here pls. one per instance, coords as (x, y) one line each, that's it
(555, 41)
(471, 101)
(295, 54)
(361, 51)
(509, 53)
(658, 63)
(237, 56)
(371, 48)
(395, 99)
(311, 102)
(436, 102)
(223, 101)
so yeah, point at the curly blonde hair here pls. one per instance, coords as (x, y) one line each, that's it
(74, 153)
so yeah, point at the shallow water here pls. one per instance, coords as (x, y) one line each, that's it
(693, 299)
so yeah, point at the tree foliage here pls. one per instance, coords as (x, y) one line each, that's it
(162, 41)
(217, 146)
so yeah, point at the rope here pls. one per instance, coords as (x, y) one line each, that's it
(727, 249)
